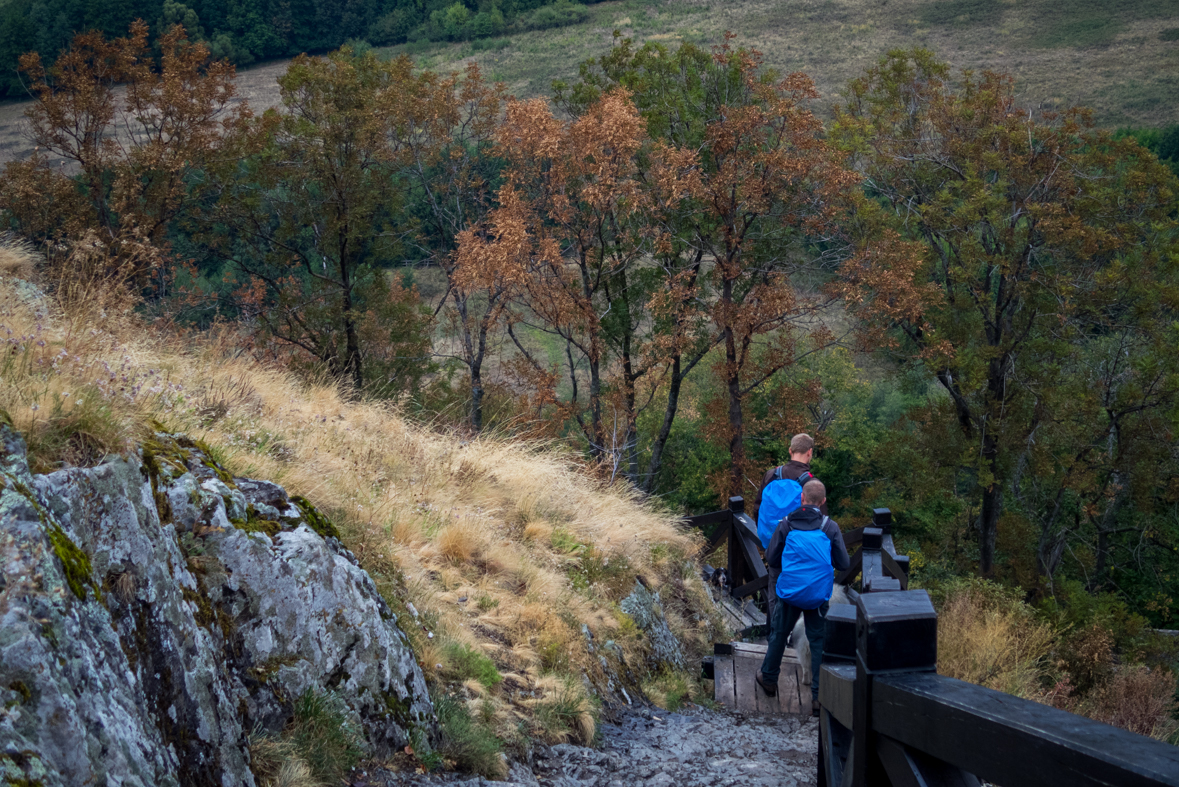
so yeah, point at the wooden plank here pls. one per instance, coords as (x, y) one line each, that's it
(749, 648)
(1006, 740)
(893, 569)
(836, 691)
(723, 691)
(766, 705)
(743, 672)
(713, 518)
(853, 538)
(718, 535)
(857, 563)
(752, 561)
(789, 690)
(908, 768)
(746, 523)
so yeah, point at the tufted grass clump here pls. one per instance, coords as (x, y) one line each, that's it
(319, 746)
(325, 735)
(565, 713)
(466, 663)
(673, 689)
(467, 742)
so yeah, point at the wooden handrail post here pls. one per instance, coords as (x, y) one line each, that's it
(734, 548)
(895, 633)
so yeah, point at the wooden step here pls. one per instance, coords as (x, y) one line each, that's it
(735, 688)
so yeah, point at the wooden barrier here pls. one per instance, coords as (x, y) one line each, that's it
(746, 571)
(887, 718)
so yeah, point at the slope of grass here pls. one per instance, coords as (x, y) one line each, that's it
(1061, 54)
(1121, 59)
(504, 561)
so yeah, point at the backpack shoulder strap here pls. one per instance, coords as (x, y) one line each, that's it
(778, 473)
(823, 524)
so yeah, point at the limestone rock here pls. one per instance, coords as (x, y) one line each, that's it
(154, 612)
(645, 607)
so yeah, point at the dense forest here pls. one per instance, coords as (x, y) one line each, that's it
(243, 31)
(671, 266)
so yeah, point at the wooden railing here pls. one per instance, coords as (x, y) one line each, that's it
(745, 570)
(887, 718)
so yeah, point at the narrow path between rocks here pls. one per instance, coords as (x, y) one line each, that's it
(653, 748)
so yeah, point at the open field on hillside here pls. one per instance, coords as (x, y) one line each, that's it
(1121, 59)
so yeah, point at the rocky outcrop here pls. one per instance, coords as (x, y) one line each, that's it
(645, 607)
(155, 611)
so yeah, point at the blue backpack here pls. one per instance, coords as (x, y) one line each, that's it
(781, 497)
(807, 578)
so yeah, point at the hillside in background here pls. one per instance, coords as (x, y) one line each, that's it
(1120, 59)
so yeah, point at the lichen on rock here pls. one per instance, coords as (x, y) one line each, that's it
(646, 609)
(145, 634)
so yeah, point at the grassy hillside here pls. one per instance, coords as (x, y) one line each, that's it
(1122, 59)
(506, 562)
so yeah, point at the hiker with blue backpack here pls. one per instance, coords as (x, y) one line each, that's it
(804, 552)
(781, 493)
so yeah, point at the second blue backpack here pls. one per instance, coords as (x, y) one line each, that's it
(806, 579)
(780, 497)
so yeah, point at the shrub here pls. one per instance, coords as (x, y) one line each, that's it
(465, 662)
(559, 14)
(1138, 699)
(988, 636)
(467, 742)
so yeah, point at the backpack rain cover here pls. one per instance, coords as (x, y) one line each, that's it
(780, 497)
(807, 578)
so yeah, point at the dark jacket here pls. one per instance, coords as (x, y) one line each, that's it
(792, 470)
(805, 514)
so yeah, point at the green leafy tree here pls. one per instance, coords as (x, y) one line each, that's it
(1021, 217)
(312, 207)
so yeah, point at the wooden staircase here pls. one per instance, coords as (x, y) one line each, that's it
(734, 666)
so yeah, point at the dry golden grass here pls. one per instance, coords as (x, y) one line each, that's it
(987, 636)
(464, 533)
(16, 258)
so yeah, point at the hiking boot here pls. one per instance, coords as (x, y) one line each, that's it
(771, 689)
(815, 708)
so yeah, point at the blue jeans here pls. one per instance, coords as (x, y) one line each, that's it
(783, 618)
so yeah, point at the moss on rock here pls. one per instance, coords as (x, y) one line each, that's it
(75, 563)
(315, 520)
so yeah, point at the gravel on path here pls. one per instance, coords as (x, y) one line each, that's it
(648, 747)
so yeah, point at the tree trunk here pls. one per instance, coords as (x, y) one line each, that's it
(733, 385)
(473, 352)
(669, 413)
(477, 397)
(992, 507)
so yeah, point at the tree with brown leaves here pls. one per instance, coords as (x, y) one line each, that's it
(135, 134)
(312, 208)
